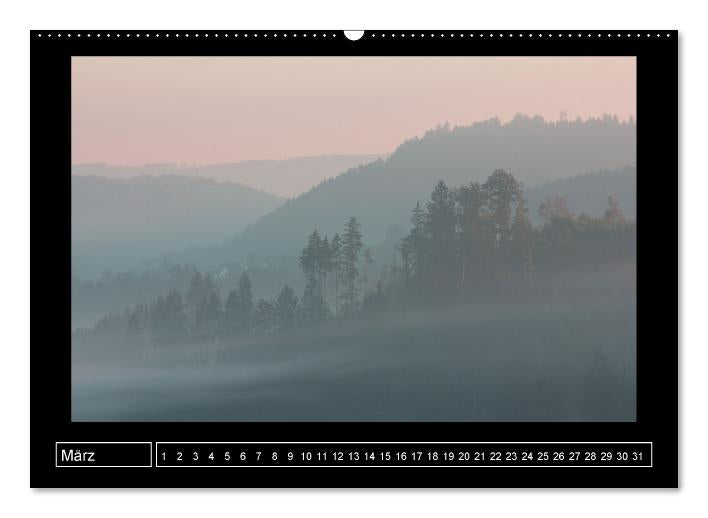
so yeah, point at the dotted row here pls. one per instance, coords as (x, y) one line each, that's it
(369, 34)
(522, 35)
(186, 35)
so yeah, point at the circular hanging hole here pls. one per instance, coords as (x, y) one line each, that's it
(353, 35)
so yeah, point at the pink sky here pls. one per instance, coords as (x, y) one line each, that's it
(207, 110)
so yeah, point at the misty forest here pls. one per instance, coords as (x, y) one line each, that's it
(478, 300)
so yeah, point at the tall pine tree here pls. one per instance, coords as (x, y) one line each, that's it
(522, 240)
(313, 262)
(238, 309)
(336, 268)
(351, 246)
(286, 309)
(440, 225)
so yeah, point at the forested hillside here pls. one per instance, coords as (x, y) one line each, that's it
(587, 193)
(534, 150)
(472, 266)
(380, 194)
(118, 224)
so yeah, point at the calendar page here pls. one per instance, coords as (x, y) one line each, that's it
(354, 258)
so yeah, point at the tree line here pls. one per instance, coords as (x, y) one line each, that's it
(465, 243)
(469, 240)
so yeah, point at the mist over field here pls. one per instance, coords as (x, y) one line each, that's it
(566, 353)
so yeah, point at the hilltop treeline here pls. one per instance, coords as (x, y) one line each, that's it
(465, 245)
(380, 194)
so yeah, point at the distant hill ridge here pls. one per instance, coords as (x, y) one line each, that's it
(382, 193)
(285, 178)
(118, 223)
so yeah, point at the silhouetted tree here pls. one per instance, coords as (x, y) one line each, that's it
(522, 238)
(139, 327)
(208, 319)
(351, 245)
(264, 318)
(502, 191)
(314, 309)
(286, 309)
(413, 247)
(325, 266)
(200, 287)
(336, 267)
(238, 309)
(476, 235)
(168, 320)
(440, 223)
(419, 241)
(314, 261)
(367, 260)
(404, 248)
(310, 258)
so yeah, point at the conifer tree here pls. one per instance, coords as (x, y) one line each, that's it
(245, 300)
(201, 287)
(238, 309)
(311, 257)
(168, 319)
(208, 319)
(367, 260)
(418, 240)
(413, 247)
(351, 246)
(324, 265)
(405, 249)
(336, 267)
(286, 309)
(264, 318)
(475, 240)
(502, 190)
(138, 327)
(314, 308)
(313, 262)
(440, 225)
(195, 294)
(522, 237)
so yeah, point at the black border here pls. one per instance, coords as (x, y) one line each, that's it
(657, 362)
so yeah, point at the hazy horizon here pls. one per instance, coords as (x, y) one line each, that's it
(200, 111)
(184, 165)
(187, 165)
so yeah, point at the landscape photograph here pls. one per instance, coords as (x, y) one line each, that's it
(353, 239)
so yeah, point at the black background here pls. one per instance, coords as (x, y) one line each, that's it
(657, 209)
